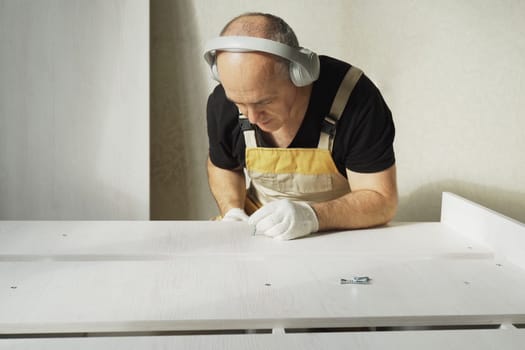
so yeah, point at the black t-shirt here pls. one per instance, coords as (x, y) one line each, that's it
(365, 132)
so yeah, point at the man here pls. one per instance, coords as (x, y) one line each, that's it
(313, 134)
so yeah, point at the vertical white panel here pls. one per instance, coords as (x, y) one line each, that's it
(502, 234)
(74, 109)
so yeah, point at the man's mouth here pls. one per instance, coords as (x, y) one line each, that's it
(264, 122)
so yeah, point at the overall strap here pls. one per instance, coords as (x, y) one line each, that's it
(329, 125)
(248, 132)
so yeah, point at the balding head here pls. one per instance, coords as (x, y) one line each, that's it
(261, 25)
(267, 26)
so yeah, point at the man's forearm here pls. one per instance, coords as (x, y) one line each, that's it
(360, 209)
(372, 202)
(227, 186)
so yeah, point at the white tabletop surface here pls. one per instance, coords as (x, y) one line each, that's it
(132, 277)
(157, 240)
(216, 275)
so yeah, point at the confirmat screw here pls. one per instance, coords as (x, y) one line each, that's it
(357, 280)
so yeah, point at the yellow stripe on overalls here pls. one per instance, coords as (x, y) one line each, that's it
(289, 160)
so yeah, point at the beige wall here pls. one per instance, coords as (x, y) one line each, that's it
(74, 109)
(74, 100)
(452, 72)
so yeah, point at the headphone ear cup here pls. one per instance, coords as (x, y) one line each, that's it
(299, 75)
(304, 75)
(214, 70)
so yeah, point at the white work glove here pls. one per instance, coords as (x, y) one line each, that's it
(283, 219)
(235, 214)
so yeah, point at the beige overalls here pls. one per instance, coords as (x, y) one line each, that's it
(298, 174)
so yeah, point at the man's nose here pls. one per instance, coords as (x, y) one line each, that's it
(253, 114)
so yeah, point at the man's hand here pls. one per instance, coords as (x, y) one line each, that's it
(283, 219)
(235, 214)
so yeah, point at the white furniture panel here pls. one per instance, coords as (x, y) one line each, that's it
(417, 340)
(231, 292)
(504, 235)
(74, 240)
(67, 279)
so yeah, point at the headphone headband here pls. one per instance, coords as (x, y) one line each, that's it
(304, 64)
(247, 44)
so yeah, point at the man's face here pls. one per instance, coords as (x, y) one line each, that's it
(256, 84)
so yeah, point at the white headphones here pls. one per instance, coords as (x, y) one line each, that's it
(304, 64)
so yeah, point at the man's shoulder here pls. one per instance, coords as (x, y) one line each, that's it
(222, 114)
(219, 103)
(335, 69)
(218, 94)
(331, 66)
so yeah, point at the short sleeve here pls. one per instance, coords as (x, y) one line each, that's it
(223, 131)
(366, 131)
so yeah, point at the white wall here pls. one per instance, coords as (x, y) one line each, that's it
(452, 72)
(74, 109)
(74, 99)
